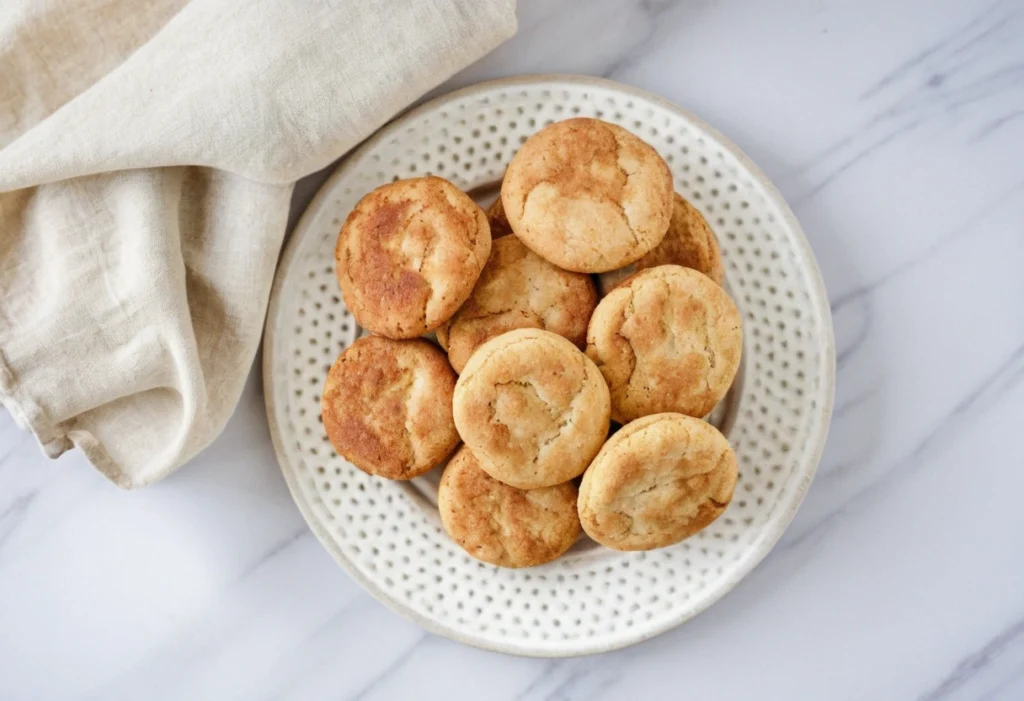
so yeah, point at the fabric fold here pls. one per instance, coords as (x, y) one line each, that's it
(142, 211)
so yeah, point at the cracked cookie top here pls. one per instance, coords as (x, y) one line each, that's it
(519, 289)
(658, 480)
(503, 525)
(689, 242)
(532, 408)
(666, 339)
(387, 406)
(409, 254)
(587, 195)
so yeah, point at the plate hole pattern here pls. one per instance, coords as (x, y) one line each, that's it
(389, 534)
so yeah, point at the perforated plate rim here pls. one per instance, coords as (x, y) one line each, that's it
(757, 550)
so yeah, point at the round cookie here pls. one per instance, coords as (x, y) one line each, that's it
(666, 339)
(497, 219)
(503, 525)
(519, 289)
(387, 406)
(587, 195)
(409, 254)
(532, 408)
(689, 242)
(658, 480)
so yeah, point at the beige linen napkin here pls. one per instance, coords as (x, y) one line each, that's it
(147, 155)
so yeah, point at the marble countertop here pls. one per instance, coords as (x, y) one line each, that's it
(896, 132)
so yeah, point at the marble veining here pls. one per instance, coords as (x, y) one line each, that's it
(896, 131)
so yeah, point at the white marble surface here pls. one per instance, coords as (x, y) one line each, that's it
(896, 131)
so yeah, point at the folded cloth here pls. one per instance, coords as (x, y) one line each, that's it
(148, 151)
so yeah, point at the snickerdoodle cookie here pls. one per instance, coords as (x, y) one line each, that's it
(497, 219)
(587, 195)
(689, 242)
(409, 254)
(658, 480)
(503, 525)
(387, 406)
(519, 289)
(532, 408)
(666, 339)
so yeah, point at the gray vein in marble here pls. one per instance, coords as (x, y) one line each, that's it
(847, 350)
(935, 48)
(605, 682)
(311, 641)
(575, 671)
(971, 665)
(559, 679)
(966, 412)
(560, 692)
(398, 662)
(548, 667)
(856, 158)
(14, 514)
(579, 671)
(196, 653)
(654, 12)
(567, 671)
(919, 104)
(275, 550)
(969, 226)
(999, 692)
(854, 403)
(996, 124)
(14, 446)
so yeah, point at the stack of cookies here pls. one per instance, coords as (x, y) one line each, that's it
(582, 330)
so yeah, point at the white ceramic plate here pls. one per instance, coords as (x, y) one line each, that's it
(388, 534)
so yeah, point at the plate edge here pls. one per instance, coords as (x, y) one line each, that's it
(769, 539)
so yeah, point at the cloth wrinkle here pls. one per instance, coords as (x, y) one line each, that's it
(146, 172)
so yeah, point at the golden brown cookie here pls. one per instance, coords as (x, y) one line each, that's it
(409, 254)
(519, 289)
(532, 408)
(587, 195)
(503, 525)
(666, 339)
(689, 242)
(387, 406)
(497, 219)
(658, 480)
